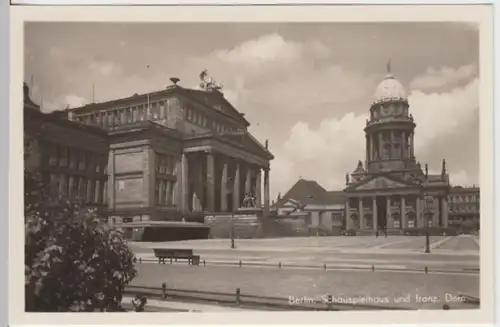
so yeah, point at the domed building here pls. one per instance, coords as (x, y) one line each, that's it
(388, 191)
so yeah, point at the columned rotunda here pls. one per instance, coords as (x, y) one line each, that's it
(390, 191)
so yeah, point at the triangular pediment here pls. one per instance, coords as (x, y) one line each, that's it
(247, 141)
(380, 183)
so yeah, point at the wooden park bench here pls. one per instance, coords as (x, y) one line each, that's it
(174, 254)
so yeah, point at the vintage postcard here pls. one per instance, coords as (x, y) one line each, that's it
(311, 164)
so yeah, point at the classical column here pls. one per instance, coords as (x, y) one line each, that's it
(444, 208)
(389, 223)
(81, 181)
(162, 197)
(266, 192)
(236, 188)
(412, 147)
(97, 192)
(62, 186)
(348, 221)
(391, 153)
(258, 189)
(419, 219)
(248, 178)
(89, 190)
(367, 150)
(374, 213)
(361, 214)
(210, 182)
(223, 188)
(184, 186)
(71, 183)
(380, 145)
(403, 145)
(105, 192)
(435, 216)
(372, 147)
(404, 223)
(168, 191)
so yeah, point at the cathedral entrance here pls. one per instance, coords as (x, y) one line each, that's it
(381, 212)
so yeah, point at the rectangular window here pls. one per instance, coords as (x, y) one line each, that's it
(63, 157)
(155, 110)
(397, 223)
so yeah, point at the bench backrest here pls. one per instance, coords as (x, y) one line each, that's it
(173, 252)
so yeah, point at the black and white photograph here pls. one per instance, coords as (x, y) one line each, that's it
(239, 167)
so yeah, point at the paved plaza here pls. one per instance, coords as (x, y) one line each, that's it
(454, 254)
(398, 263)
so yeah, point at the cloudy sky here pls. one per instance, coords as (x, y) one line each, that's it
(305, 87)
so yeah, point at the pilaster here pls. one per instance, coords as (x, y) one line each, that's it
(374, 213)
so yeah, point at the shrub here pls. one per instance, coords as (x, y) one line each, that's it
(73, 262)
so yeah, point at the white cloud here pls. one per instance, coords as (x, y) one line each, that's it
(261, 50)
(272, 72)
(445, 76)
(440, 114)
(69, 100)
(105, 68)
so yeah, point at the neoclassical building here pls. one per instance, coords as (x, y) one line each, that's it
(177, 151)
(390, 190)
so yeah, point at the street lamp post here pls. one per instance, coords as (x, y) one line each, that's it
(424, 218)
(232, 231)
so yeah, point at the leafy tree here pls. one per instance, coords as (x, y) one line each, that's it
(73, 261)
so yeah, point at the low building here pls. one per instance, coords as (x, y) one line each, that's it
(322, 211)
(464, 208)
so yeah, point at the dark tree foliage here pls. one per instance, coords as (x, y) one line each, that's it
(73, 261)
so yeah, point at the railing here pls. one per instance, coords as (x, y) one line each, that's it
(255, 302)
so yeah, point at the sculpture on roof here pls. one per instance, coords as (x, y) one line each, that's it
(443, 170)
(347, 178)
(267, 144)
(426, 170)
(208, 83)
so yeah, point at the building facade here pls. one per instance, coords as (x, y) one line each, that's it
(390, 191)
(464, 205)
(71, 158)
(178, 151)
